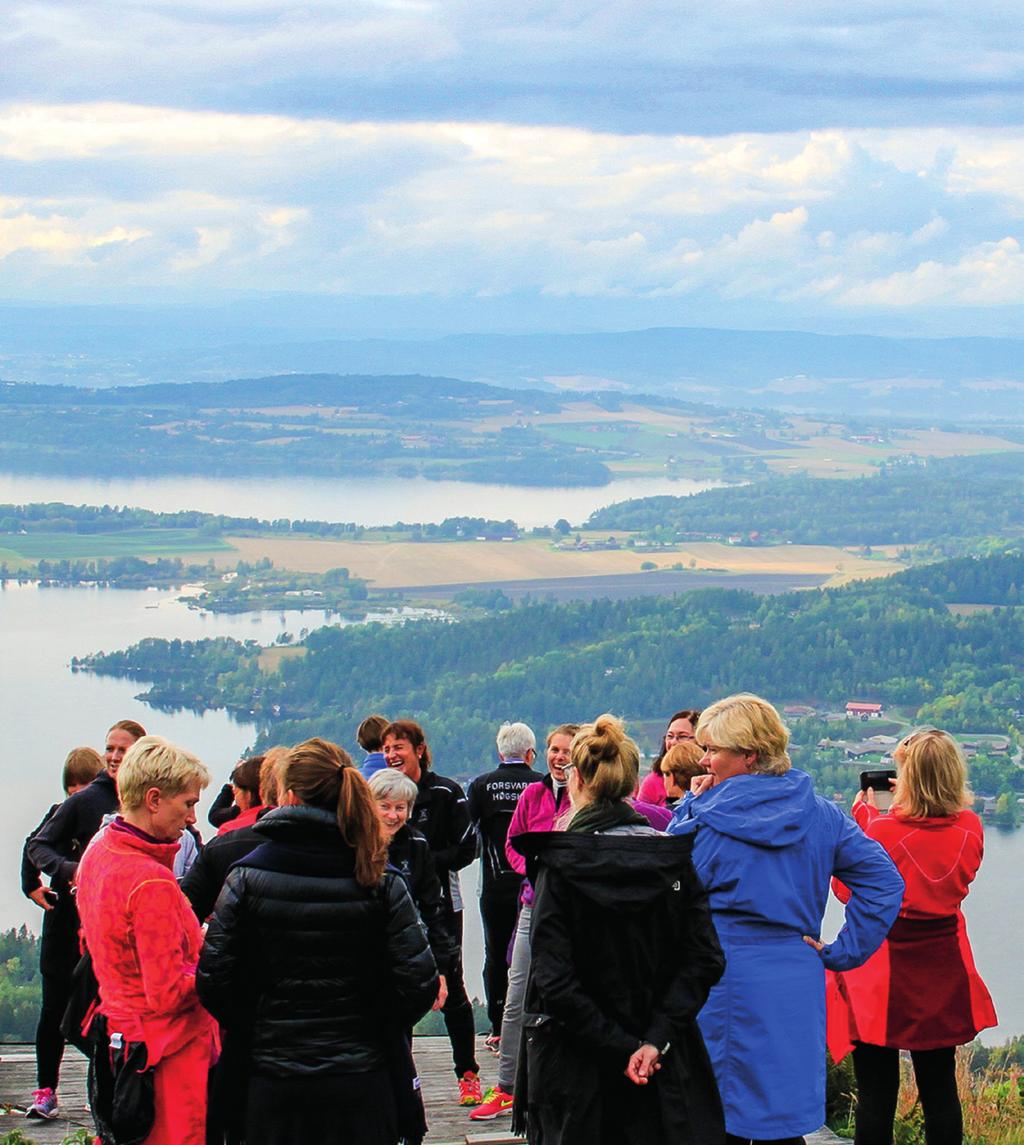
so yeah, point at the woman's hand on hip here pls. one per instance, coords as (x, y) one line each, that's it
(643, 1064)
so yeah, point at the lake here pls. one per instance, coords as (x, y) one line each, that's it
(364, 501)
(45, 710)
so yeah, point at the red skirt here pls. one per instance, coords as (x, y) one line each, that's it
(919, 991)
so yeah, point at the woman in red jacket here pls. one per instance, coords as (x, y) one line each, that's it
(920, 991)
(144, 940)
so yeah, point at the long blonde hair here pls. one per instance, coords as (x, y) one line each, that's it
(931, 777)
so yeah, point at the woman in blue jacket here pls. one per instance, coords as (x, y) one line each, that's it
(765, 848)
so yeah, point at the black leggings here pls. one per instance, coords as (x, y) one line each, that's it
(457, 1010)
(498, 910)
(878, 1083)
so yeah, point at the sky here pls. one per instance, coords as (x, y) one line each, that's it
(819, 165)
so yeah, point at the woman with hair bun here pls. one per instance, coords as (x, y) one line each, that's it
(624, 954)
(920, 992)
(316, 956)
(765, 847)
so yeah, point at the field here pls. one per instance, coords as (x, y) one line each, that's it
(16, 548)
(398, 564)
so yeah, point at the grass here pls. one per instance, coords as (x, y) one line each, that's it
(992, 1099)
(130, 542)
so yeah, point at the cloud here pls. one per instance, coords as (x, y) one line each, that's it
(123, 197)
(605, 65)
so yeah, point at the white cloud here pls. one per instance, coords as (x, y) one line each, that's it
(129, 195)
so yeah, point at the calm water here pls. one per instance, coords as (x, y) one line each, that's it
(365, 501)
(45, 710)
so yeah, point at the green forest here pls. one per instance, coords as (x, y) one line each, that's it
(318, 424)
(893, 641)
(940, 502)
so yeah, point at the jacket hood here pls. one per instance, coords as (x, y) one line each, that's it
(629, 872)
(296, 824)
(767, 810)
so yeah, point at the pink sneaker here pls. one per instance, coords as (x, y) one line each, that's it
(44, 1105)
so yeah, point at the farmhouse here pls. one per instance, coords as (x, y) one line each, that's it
(864, 711)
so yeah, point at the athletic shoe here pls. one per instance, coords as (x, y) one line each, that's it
(496, 1102)
(44, 1105)
(493, 1043)
(470, 1092)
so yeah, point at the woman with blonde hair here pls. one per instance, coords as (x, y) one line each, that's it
(152, 1039)
(315, 958)
(765, 847)
(623, 956)
(920, 992)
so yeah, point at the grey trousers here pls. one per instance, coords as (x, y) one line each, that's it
(512, 1021)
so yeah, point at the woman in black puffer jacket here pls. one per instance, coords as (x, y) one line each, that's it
(317, 958)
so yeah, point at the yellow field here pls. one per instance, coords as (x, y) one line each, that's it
(397, 564)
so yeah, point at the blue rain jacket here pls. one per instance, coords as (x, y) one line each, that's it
(766, 848)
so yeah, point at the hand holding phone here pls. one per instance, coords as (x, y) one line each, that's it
(877, 788)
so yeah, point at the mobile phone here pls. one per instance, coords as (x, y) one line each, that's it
(878, 782)
(51, 896)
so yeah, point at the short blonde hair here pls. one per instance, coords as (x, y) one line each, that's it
(745, 722)
(931, 777)
(153, 761)
(607, 760)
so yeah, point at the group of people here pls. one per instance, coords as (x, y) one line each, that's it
(654, 967)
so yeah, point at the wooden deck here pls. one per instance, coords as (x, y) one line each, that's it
(449, 1123)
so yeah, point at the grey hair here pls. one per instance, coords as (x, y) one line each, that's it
(515, 740)
(390, 783)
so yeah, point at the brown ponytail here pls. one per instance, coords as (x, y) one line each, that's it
(321, 774)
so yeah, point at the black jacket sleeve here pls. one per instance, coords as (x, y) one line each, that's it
(699, 965)
(30, 874)
(223, 808)
(458, 834)
(219, 973)
(414, 981)
(51, 843)
(427, 895)
(203, 882)
(554, 975)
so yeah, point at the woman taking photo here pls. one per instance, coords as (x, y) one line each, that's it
(920, 992)
(680, 730)
(765, 847)
(144, 940)
(316, 956)
(623, 956)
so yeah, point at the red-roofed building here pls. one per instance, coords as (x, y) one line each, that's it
(864, 711)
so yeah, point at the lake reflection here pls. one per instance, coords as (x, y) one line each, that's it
(364, 501)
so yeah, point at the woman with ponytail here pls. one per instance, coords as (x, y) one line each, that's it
(316, 957)
(624, 954)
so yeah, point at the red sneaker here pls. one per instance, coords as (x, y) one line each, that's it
(470, 1092)
(496, 1102)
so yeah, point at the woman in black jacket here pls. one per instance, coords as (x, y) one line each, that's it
(315, 954)
(624, 954)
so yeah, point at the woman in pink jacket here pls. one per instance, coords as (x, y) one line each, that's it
(144, 940)
(539, 807)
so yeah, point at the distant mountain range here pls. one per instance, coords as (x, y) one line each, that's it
(965, 378)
